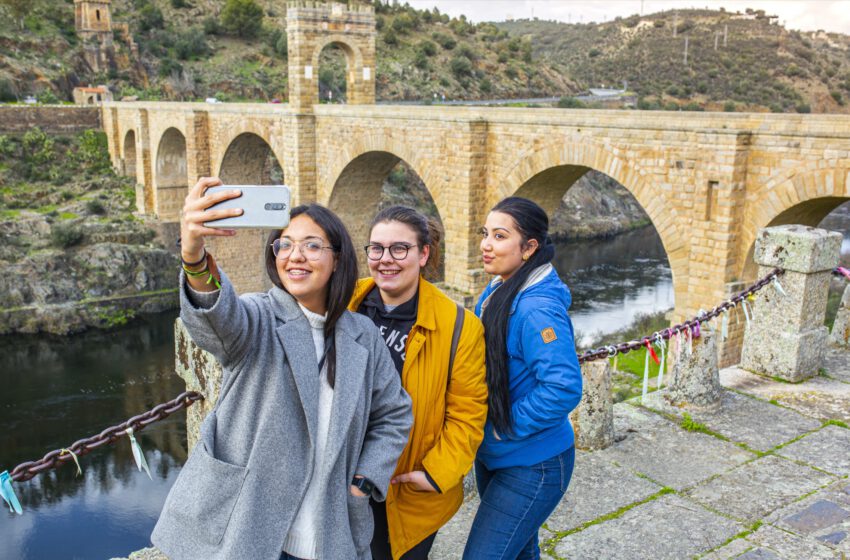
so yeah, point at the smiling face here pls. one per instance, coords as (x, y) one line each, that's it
(397, 279)
(307, 281)
(502, 245)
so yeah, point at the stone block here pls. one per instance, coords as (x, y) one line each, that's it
(593, 420)
(792, 357)
(695, 379)
(202, 373)
(840, 335)
(819, 515)
(798, 248)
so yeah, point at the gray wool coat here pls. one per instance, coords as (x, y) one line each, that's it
(241, 487)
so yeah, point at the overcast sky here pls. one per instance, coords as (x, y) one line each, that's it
(807, 15)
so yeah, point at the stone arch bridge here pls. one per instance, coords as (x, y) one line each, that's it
(709, 181)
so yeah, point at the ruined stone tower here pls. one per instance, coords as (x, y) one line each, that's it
(92, 18)
(312, 26)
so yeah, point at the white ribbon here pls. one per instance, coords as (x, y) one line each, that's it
(138, 455)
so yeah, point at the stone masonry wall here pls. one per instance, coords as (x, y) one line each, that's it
(50, 119)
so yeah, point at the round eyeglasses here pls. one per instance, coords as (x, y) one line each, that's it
(398, 251)
(312, 250)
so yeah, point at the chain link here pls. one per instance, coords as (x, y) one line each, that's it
(56, 458)
(689, 325)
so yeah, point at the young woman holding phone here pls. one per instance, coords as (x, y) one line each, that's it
(311, 416)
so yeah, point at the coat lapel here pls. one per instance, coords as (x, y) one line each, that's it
(297, 341)
(351, 361)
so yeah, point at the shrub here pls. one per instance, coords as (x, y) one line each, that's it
(191, 45)
(95, 206)
(445, 41)
(467, 51)
(511, 72)
(730, 107)
(169, 66)
(47, 97)
(379, 22)
(593, 53)
(570, 103)
(659, 23)
(177, 4)
(37, 154)
(427, 47)
(390, 37)
(150, 17)
(7, 147)
(486, 86)
(420, 60)
(461, 66)
(836, 95)
(7, 90)
(277, 41)
(66, 235)
(402, 24)
(503, 57)
(93, 151)
(243, 18)
(212, 26)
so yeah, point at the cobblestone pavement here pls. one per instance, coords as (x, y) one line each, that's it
(765, 477)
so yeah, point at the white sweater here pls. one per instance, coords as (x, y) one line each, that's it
(303, 538)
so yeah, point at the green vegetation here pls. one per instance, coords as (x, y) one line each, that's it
(243, 18)
(692, 425)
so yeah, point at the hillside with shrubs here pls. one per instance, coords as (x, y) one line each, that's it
(235, 50)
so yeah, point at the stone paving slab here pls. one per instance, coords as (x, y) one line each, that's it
(754, 489)
(668, 527)
(822, 518)
(666, 453)
(598, 487)
(754, 422)
(837, 364)
(770, 543)
(827, 449)
(818, 397)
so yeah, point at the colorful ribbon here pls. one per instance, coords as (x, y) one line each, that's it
(8, 493)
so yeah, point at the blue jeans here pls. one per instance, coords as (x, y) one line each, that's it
(515, 502)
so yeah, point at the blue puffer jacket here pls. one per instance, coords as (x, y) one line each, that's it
(545, 378)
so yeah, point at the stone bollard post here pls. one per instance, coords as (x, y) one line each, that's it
(695, 379)
(593, 419)
(202, 373)
(840, 335)
(787, 336)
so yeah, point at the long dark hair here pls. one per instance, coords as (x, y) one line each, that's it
(428, 232)
(532, 223)
(343, 278)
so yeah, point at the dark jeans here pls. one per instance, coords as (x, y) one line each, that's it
(515, 502)
(286, 556)
(381, 539)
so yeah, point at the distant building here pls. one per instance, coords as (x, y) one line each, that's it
(93, 23)
(91, 95)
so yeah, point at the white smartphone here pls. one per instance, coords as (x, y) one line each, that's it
(263, 207)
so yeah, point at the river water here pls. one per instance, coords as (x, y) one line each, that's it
(57, 390)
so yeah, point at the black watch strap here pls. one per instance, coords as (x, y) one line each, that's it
(364, 484)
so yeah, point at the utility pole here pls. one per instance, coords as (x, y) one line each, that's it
(686, 50)
(716, 37)
(725, 34)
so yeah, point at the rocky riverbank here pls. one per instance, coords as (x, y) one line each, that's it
(72, 253)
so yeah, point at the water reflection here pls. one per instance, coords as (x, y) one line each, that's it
(613, 280)
(57, 390)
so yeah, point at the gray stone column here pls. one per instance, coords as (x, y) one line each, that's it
(787, 337)
(840, 335)
(593, 420)
(695, 379)
(202, 373)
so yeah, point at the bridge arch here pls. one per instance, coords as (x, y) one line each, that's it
(128, 152)
(250, 160)
(357, 192)
(546, 173)
(802, 197)
(171, 178)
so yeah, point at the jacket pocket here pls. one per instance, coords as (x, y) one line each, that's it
(361, 522)
(204, 495)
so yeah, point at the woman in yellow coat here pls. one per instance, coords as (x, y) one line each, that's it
(417, 321)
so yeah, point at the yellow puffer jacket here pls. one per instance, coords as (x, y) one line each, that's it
(448, 423)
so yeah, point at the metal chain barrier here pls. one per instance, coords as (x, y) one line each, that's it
(691, 326)
(58, 457)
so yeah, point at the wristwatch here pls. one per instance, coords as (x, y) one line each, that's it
(364, 484)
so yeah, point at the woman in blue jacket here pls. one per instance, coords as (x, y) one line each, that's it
(526, 460)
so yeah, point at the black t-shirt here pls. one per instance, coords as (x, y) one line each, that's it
(394, 325)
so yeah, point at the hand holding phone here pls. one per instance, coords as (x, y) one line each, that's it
(262, 206)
